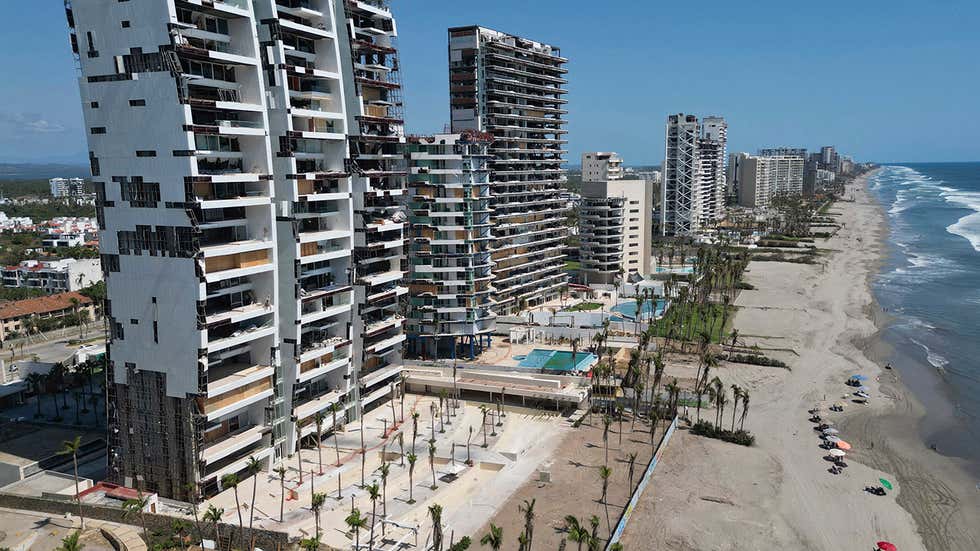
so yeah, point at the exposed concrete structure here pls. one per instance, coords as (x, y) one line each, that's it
(512, 87)
(693, 189)
(601, 166)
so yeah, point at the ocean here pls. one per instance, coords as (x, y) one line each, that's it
(930, 284)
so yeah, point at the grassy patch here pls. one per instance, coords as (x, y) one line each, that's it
(573, 266)
(689, 321)
(584, 307)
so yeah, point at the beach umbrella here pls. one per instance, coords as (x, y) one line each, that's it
(886, 546)
(885, 483)
(858, 377)
(860, 389)
(837, 453)
(833, 439)
(831, 431)
(843, 445)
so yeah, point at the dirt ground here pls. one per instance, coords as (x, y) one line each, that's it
(575, 487)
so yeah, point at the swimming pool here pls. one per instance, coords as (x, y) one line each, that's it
(557, 360)
(628, 309)
(681, 270)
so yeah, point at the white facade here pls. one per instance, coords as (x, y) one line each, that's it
(67, 187)
(233, 316)
(615, 229)
(601, 166)
(760, 178)
(694, 182)
(450, 269)
(513, 88)
(53, 276)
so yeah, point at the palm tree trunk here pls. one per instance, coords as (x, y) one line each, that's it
(251, 510)
(78, 498)
(241, 524)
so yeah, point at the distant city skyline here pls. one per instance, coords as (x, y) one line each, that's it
(878, 80)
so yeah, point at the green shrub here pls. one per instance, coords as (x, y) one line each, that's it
(710, 430)
(753, 359)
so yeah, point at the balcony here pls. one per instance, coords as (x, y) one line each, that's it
(379, 375)
(230, 376)
(218, 195)
(240, 335)
(311, 407)
(239, 398)
(237, 265)
(321, 252)
(231, 442)
(240, 313)
(323, 308)
(312, 369)
(319, 348)
(384, 344)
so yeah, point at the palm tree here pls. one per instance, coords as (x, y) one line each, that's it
(316, 504)
(483, 410)
(745, 408)
(385, 469)
(71, 447)
(374, 492)
(435, 511)
(412, 458)
(494, 538)
(575, 344)
(253, 467)
(213, 515)
(632, 462)
(468, 438)
(604, 474)
(136, 506)
(527, 509)
(299, 449)
(179, 528)
(415, 428)
(36, 382)
(356, 522)
(70, 542)
(737, 395)
(432, 463)
(334, 408)
(281, 471)
(309, 544)
(576, 532)
(319, 418)
(231, 481)
(192, 493)
(731, 350)
(606, 421)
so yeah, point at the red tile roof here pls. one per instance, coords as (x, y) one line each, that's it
(40, 305)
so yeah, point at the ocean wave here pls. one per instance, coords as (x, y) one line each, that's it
(935, 359)
(967, 227)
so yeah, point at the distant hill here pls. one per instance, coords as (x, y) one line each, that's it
(42, 171)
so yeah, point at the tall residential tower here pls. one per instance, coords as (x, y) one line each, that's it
(234, 315)
(693, 188)
(512, 88)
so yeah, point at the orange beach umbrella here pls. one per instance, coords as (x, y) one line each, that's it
(843, 445)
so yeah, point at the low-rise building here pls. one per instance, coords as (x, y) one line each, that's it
(53, 240)
(53, 276)
(20, 316)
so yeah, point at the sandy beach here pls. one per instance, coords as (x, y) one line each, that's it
(822, 320)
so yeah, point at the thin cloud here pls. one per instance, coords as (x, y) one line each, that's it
(29, 122)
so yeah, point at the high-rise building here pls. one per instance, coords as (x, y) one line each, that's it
(601, 166)
(232, 317)
(449, 275)
(761, 178)
(783, 152)
(67, 187)
(512, 88)
(693, 188)
(616, 218)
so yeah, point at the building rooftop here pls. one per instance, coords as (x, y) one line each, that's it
(41, 305)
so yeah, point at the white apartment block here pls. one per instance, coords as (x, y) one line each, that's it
(601, 166)
(512, 87)
(450, 273)
(759, 179)
(67, 187)
(693, 188)
(53, 276)
(233, 200)
(615, 229)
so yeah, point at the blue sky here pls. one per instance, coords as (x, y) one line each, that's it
(882, 80)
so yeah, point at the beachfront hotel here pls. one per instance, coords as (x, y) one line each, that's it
(758, 179)
(233, 315)
(513, 88)
(450, 268)
(615, 222)
(694, 183)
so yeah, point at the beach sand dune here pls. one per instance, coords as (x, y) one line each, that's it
(710, 495)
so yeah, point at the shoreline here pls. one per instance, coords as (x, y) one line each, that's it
(930, 502)
(826, 321)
